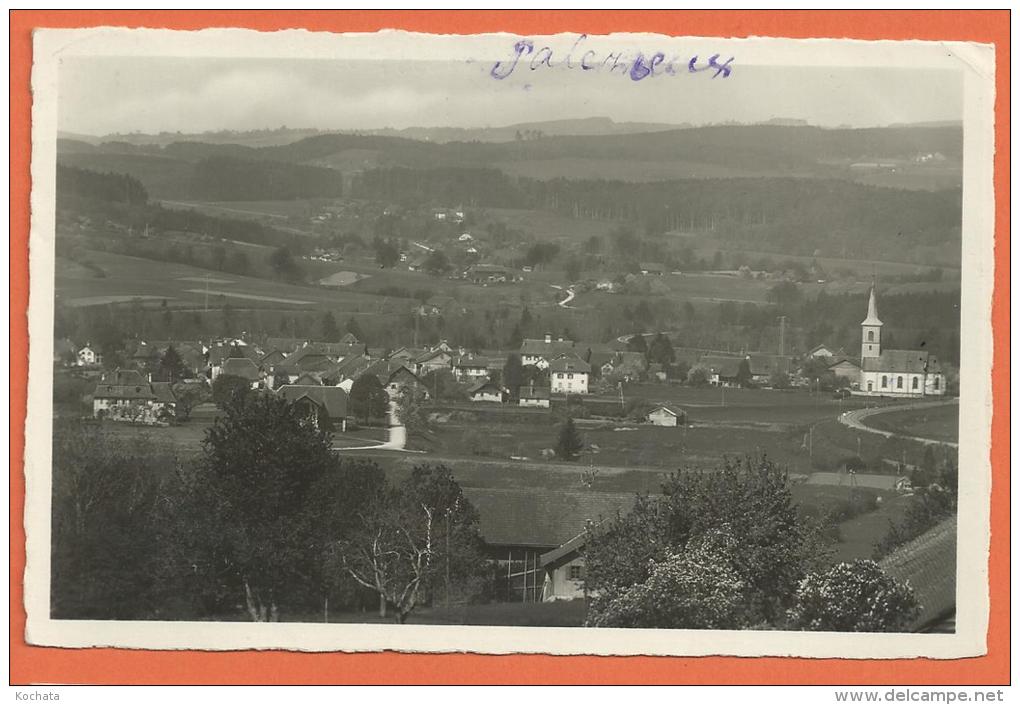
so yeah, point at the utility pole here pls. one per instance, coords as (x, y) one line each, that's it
(782, 335)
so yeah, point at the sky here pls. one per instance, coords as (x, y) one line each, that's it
(106, 95)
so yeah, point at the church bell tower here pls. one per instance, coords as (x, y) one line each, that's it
(871, 330)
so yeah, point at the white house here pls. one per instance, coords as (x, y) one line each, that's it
(667, 415)
(568, 374)
(534, 396)
(88, 357)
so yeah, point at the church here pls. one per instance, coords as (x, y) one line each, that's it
(895, 373)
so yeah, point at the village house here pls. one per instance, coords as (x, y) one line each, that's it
(722, 369)
(87, 356)
(486, 390)
(533, 396)
(520, 525)
(471, 367)
(625, 366)
(323, 407)
(241, 367)
(569, 375)
(433, 360)
(126, 395)
(541, 352)
(489, 274)
(652, 268)
(847, 369)
(667, 415)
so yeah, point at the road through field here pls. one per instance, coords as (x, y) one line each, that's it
(855, 420)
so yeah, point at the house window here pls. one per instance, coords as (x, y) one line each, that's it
(576, 572)
(570, 376)
(871, 336)
(869, 385)
(914, 384)
(885, 381)
(936, 385)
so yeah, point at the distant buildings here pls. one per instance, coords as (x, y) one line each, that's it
(127, 395)
(568, 374)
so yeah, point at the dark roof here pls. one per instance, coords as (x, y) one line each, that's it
(837, 361)
(538, 346)
(671, 408)
(569, 363)
(766, 364)
(285, 345)
(240, 367)
(431, 355)
(124, 378)
(124, 391)
(908, 361)
(333, 399)
(533, 393)
(472, 361)
(541, 517)
(273, 357)
(163, 392)
(477, 387)
(307, 379)
(722, 365)
(928, 564)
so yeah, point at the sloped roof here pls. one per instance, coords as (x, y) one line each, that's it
(124, 391)
(482, 384)
(928, 564)
(273, 357)
(307, 379)
(541, 517)
(530, 392)
(163, 392)
(332, 399)
(766, 364)
(121, 377)
(669, 408)
(569, 363)
(472, 361)
(240, 367)
(538, 346)
(907, 361)
(284, 345)
(431, 355)
(722, 365)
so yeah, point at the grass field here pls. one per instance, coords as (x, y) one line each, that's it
(939, 422)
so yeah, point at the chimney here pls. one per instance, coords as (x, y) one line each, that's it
(548, 337)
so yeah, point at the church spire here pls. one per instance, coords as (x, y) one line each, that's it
(872, 319)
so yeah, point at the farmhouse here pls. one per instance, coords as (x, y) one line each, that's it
(627, 366)
(846, 368)
(489, 274)
(764, 366)
(905, 373)
(522, 524)
(652, 268)
(541, 352)
(124, 395)
(469, 367)
(533, 396)
(568, 374)
(486, 390)
(323, 407)
(822, 352)
(436, 359)
(667, 415)
(241, 367)
(722, 369)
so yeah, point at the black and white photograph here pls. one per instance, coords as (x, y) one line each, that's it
(569, 344)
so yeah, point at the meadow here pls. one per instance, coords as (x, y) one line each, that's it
(938, 422)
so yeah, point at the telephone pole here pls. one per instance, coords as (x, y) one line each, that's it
(782, 335)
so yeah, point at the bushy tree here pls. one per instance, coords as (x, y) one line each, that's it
(411, 413)
(661, 350)
(513, 375)
(368, 398)
(744, 373)
(853, 597)
(330, 330)
(750, 496)
(437, 263)
(354, 329)
(697, 376)
(569, 442)
(637, 343)
(386, 252)
(171, 366)
(699, 588)
(283, 264)
(230, 390)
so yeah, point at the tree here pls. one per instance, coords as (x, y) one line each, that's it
(750, 496)
(744, 376)
(368, 398)
(698, 376)
(513, 375)
(784, 295)
(853, 597)
(354, 329)
(249, 518)
(411, 413)
(230, 390)
(699, 588)
(187, 397)
(573, 269)
(413, 540)
(637, 343)
(661, 350)
(569, 442)
(443, 385)
(282, 262)
(330, 331)
(436, 263)
(779, 380)
(171, 366)
(387, 253)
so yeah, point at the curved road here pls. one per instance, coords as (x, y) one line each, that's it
(854, 420)
(397, 439)
(570, 295)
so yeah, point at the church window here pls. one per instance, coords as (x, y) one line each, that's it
(914, 384)
(871, 336)
(899, 383)
(885, 381)
(936, 385)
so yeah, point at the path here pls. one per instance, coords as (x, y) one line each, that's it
(397, 440)
(570, 295)
(854, 419)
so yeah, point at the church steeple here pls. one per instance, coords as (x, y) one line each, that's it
(871, 330)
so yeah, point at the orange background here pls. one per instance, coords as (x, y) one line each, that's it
(112, 666)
